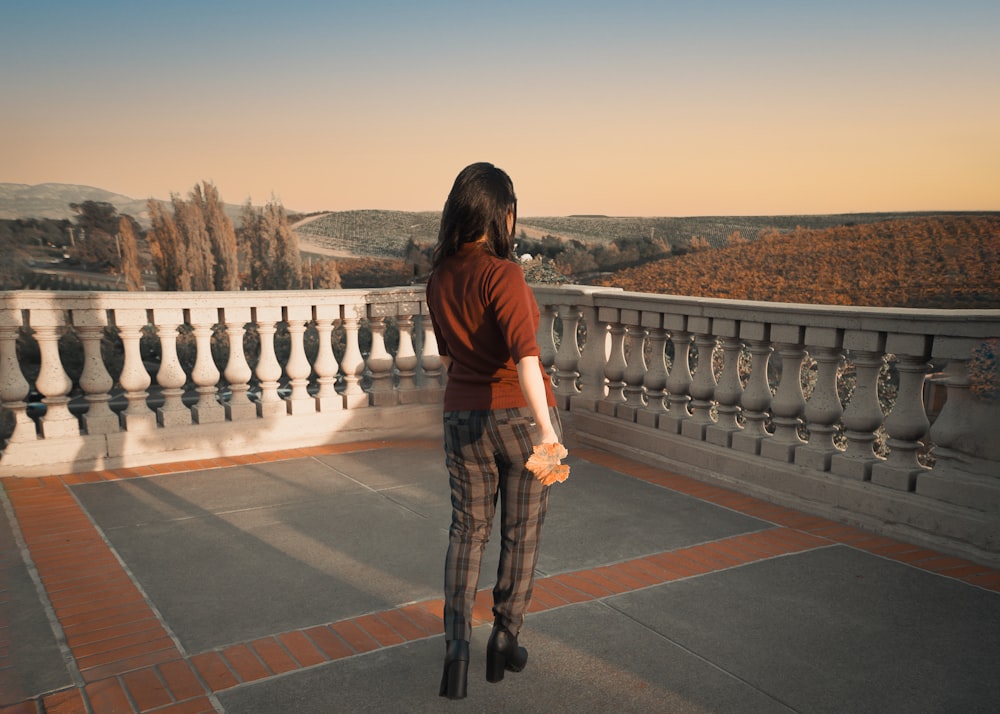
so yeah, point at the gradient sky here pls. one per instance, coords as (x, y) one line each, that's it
(626, 108)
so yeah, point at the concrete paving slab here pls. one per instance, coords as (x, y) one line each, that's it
(585, 658)
(837, 630)
(194, 493)
(226, 577)
(600, 516)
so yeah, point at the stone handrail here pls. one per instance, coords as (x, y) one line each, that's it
(692, 383)
(92, 380)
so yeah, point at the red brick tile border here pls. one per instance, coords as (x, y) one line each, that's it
(129, 663)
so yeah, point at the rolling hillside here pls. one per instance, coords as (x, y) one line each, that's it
(946, 261)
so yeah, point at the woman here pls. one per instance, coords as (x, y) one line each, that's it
(498, 404)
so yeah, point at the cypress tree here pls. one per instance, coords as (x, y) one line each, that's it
(130, 255)
(288, 260)
(222, 237)
(191, 224)
(168, 250)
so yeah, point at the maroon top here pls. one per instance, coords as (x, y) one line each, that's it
(485, 319)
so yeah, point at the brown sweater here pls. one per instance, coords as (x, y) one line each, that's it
(485, 319)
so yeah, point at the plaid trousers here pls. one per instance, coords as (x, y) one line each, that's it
(485, 453)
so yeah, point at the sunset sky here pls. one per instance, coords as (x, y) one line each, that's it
(625, 108)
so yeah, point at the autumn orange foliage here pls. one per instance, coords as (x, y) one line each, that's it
(930, 262)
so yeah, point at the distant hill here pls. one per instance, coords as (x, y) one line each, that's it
(386, 233)
(52, 200)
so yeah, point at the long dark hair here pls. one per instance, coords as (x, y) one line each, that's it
(479, 203)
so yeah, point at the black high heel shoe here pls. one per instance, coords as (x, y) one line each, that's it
(503, 654)
(455, 680)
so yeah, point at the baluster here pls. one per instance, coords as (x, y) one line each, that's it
(406, 356)
(13, 386)
(729, 389)
(380, 362)
(327, 399)
(171, 376)
(430, 362)
(268, 367)
(863, 415)
(702, 388)
(591, 365)
(788, 404)
(756, 398)
(635, 366)
(614, 368)
(52, 381)
(823, 410)
(134, 379)
(205, 374)
(679, 378)
(237, 371)
(964, 434)
(353, 364)
(655, 379)
(95, 381)
(907, 423)
(567, 358)
(298, 368)
(547, 340)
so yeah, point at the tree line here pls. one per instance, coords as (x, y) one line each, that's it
(192, 244)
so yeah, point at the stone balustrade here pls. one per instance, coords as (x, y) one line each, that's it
(783, 401)
(860, 414)
(93, 380)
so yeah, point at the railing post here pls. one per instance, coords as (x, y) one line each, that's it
(655, 379)
(788, 404)
(966, 446)
(237, 371)
(907, 423)
(353, 364)
(614, 368)
(13, 386)
(679, 379)
(567, 359)
(171, 376)
(432, 389)
(267, 318)
(702, 388)
(756, 398)
(823, 410)
(406, 356)
(327, 399)
(95, 381)
(205, 374)
(591, 365)
(52, 381)
(863, 415)
(380, 362)
(298, 368)
(635, 366)
(546, 337)
(135, 380)
(729, 389)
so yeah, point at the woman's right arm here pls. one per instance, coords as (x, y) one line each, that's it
(529, 374)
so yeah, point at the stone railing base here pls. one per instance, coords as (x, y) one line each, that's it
(50, 457)
(925, 521)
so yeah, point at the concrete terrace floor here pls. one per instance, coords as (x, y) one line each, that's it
(309, 581)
